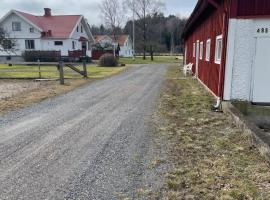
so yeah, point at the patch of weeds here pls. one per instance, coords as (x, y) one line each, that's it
(212, 158)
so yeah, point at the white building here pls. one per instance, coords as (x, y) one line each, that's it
(124, 41)
(46, 33)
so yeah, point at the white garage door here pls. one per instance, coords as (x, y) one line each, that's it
(261, 87)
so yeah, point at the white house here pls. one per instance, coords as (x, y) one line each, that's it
(46, 33)
(124, 41)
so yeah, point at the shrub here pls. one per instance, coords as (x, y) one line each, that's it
(108, 60)
(43, 56)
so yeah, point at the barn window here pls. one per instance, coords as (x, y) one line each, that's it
(208, 50)
(201, 50)
(194, 50)
(218, 51)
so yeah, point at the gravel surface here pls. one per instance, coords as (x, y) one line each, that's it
(96, 142)
(10, 88)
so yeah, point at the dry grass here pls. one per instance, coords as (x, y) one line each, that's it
(212, 158)
(50, 89)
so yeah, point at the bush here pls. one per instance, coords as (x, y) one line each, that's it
(108, 60)
(42, 56)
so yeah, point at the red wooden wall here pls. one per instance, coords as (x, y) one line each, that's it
(244, 8)
(210, 28)
(96, 54)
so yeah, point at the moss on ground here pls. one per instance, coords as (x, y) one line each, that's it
(212, 158)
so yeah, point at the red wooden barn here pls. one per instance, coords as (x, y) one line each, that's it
(228, 43)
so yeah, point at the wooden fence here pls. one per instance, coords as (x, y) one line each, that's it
(40, 70)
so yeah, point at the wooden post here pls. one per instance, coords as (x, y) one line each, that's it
(61, 72)
(85, 69)
(39, 72)
(151, 53)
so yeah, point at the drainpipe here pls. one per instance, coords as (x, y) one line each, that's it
(225, 25)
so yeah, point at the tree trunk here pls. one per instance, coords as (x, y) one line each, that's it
(144, 35)
(151, 53)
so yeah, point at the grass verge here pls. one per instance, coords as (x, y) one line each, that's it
(212, 158)
(157, 59)
(52, 88)
(52, 72)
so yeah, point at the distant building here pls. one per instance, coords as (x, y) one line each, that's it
(228, 41)
(46, 33)
(124, 41)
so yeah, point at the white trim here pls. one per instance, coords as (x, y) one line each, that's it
(75, 27)
(230, 59)
(201, 50)
(208, 50)
(207, 88)
(194, 50)
(25, 19)
(218, 61)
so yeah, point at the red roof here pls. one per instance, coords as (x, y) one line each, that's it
(61, 26)
(120, 39)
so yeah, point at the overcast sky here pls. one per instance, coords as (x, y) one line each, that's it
(88, 8)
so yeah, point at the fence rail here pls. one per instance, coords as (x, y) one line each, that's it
(39, 70)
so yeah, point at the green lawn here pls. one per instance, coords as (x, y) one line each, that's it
(157, 59)
(52, 72)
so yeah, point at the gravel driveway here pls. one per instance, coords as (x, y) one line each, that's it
(96, 142)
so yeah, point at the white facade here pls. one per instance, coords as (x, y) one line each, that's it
(43, 44)
(247, 75)
(126, 50)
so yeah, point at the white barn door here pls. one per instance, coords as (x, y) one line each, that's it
(261, 72)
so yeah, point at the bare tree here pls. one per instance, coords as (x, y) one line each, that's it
(144, 9)
(113, 14)
(7, 44)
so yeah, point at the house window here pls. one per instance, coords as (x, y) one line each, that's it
(218, 51)
(82, 29)
(31, 30)
(73, 44)
(7, 44)
(194, 50)
(201, 50)
(16, 26)
(77, 28)
(29, 44)
(208, 50)
(58, 43)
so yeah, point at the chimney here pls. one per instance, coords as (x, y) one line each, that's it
(47, 12)
(49, 33)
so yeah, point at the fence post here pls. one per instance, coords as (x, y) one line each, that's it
(61, 72)
(85, 69)
(39, 72)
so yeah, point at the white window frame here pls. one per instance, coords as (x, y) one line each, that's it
(16, 26)
(218, 49)
(194, 50)
(58, 43)
(208, 50)
(201, 50)
(30, 44)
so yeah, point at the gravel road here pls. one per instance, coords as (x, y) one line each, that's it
(93, 143)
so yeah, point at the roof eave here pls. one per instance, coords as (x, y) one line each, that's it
(198, 10)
